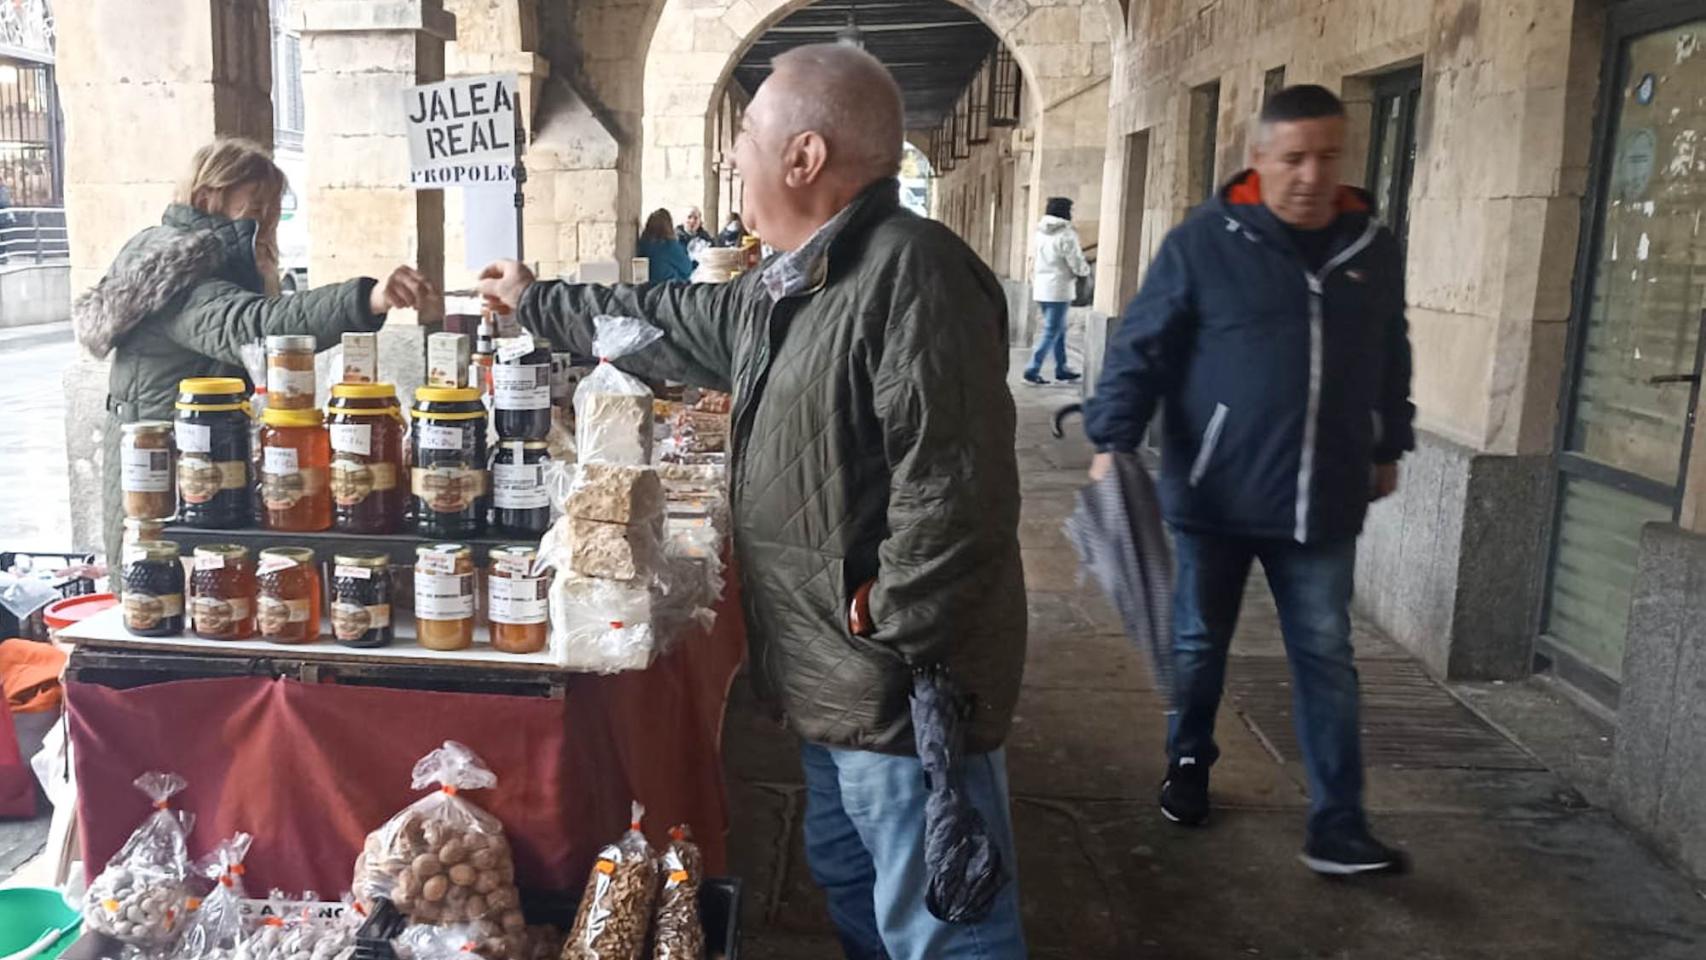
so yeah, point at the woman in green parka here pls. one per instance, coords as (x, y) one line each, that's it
(183, 298)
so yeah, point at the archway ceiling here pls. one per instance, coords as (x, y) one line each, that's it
(933, 47)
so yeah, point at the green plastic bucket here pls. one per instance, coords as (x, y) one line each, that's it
(27, 913)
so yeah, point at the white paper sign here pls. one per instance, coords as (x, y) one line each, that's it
(462, 131)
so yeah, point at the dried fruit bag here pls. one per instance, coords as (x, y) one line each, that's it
(141, 897)
(616, 908)
(216, 926)
(678, 932)
(443, 860)
(613, 410)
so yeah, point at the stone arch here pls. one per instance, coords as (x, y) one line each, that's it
(1063, 47)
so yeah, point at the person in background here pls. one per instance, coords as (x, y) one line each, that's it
(693, 229)
(733, 232)
(1270, 330)
(1059, 263)
(877, 492)
(659, 245)
(183, 298)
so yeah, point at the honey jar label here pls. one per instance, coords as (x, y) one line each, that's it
(344, 572)
(519, 486)
(448, 489)
(144, 611)
(283, 491)
(521, 388)
(201, 479)
(193, 437)
(213, 615)
(434, 437)
(146, 471)
(283, 382)
(436, 561)
(351, 620)
(353, 480)
(277, 615)
(444, 597)
(352, 438)
(519, 602)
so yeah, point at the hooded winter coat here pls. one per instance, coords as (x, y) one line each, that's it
(180, 300)
(1059, 261)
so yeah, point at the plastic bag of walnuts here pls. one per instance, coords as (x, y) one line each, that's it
(290, 930)
(677, 931)
(616, 908)
(216, 925)
(443, 860)
(142, 896)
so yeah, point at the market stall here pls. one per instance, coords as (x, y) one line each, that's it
(314, 600)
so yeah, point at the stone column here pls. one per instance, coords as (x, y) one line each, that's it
(142, 87)
(358, 56)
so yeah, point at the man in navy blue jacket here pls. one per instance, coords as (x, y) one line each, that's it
(1270, 330)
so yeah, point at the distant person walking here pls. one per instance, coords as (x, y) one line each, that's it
(1059, 263)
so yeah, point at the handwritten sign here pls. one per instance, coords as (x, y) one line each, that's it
(462, 131)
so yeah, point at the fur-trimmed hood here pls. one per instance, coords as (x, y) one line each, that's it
(156, 266)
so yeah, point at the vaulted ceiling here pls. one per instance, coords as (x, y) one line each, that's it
(933, 47)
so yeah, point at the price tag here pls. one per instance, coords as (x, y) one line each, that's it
(193, 437)
(511, 349)
(354, 438)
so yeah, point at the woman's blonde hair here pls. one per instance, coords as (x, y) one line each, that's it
(225, 165)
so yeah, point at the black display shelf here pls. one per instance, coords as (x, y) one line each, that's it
(400, 547)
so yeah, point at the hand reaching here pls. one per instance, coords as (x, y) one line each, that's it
(405, 288)
(503, 283)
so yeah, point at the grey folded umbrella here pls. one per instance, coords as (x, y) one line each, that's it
(963, 866)
(1122, 545)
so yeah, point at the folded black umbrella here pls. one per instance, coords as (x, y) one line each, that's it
(963, 866)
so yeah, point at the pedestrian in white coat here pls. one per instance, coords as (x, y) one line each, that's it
(1059, 263)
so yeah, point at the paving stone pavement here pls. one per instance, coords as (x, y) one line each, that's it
(1511, 859)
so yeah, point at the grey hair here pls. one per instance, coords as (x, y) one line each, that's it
(849, 98)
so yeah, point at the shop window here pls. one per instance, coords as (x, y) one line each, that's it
(1205, 120)
(1392, 150)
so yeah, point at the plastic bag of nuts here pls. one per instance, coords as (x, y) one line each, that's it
(216, 924)
(443, 860)
(141, 898)
(292, 928)
(484, 939)
(616, 908)
(678, 933)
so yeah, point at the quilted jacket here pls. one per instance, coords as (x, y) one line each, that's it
(873, 439)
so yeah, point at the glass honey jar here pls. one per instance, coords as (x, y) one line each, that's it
(287, 602)
(222, 592)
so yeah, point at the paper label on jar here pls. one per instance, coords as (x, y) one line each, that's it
(521, 387)
(213, 615)
(351, 620)
(289, 383)
(201, 479)
(273, 563)
(444, 596)
(144, 611)
(193, 437)
(350, 572)
(283, 491)
(209, 561)
(512, 568)
(146, 471)
(449, 489)
(431, 436)
(511, 349)
(353, 480)
(276, 615)
(519, 486)
(280, 460)
(518, 601)
(352, 438)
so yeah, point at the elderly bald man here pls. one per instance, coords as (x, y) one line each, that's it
(874, 481)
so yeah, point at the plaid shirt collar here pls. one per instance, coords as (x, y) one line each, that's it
(798, 271)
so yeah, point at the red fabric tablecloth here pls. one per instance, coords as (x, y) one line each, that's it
(309, 769)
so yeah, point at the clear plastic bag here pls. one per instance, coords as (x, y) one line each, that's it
(443, 860)
(216, 926)
(616, 909)
(678, 933)
(142, 896)
(613, 410)
(290, 930)
(602, 626)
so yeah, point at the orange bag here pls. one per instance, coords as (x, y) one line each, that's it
(29, 675)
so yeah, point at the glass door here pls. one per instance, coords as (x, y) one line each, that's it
(1635, 337)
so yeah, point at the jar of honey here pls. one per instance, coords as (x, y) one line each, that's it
(296, 458)
(211, 433)
(521, 389)
(222, 592)
(290, 372)
(366, 425)
(449, 478)
(145, 469)
(287, 583)
(517, 599)
(361, 599)
(444, 596)
(153, 589)
(521, 498)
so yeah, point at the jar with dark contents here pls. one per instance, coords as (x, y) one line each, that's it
(211, 434)
(153, 589)
(287, 599)
(366, 426)
(521, 502)
(449, 478)
(521, 389)
(361, 599)
(517, 599)
(145, 469)
(444, 596)
(222, 592)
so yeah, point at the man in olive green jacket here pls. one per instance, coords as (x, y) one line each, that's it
(873, 476)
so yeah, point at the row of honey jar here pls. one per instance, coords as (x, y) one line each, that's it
(344, 470)
(281, 596)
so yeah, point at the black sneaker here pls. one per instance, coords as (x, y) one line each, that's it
(1184, 794)
(1035, 380)
(1350, 851)
(1068, 376)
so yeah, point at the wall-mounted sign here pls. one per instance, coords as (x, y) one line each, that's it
(462, 132)
(1632, 169)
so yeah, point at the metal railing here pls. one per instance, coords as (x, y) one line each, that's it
(33, 235)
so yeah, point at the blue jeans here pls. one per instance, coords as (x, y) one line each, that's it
(1053, 339)
(864, 833)
(1312, 587)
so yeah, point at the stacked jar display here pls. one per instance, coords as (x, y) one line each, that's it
(521, 414)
